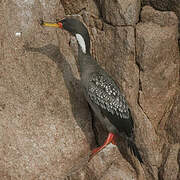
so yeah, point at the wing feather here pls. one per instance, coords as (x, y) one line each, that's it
(104, 92)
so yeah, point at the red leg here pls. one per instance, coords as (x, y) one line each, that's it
(110, 139)
(114, 140)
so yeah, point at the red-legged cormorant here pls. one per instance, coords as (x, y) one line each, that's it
(100, 90)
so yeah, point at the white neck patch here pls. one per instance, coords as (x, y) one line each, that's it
(81, 42)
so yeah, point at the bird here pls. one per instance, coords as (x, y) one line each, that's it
(102, 93)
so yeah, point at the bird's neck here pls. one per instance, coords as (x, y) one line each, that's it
(86, 63)
(84, 57)
(83, 43)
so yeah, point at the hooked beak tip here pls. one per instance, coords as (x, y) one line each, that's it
(41, 22)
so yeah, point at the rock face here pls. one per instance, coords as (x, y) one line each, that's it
(106, 165)
(121, 12)
(172, 125)
(165, 5)
(45, 122)
(74, 6)
(171, 167)
(158, 75)
(46, 128)
(164, 18)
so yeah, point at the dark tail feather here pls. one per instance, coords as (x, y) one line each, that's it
(134, 150)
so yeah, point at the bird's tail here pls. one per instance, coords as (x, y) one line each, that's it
(132, 146)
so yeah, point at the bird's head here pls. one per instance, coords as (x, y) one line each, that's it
(76, 28)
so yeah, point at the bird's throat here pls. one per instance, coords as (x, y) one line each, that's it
(81, 42)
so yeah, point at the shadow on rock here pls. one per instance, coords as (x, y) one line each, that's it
(77, 100)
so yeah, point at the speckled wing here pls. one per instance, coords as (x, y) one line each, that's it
(103, 91)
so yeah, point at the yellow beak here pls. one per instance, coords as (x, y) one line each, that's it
(58, 25)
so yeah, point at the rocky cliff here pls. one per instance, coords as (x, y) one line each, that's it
(46, 128)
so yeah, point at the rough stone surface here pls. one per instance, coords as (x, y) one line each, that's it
(45, 122)
(108, 164)
(74, 6)
(172, 125)
(165, 18)
(165, 5)
(145, 2)
(158, 75)
(46, 129)
(158, 63)
(171, 167)
(121, 12)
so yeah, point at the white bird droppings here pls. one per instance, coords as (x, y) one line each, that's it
(18, 34)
